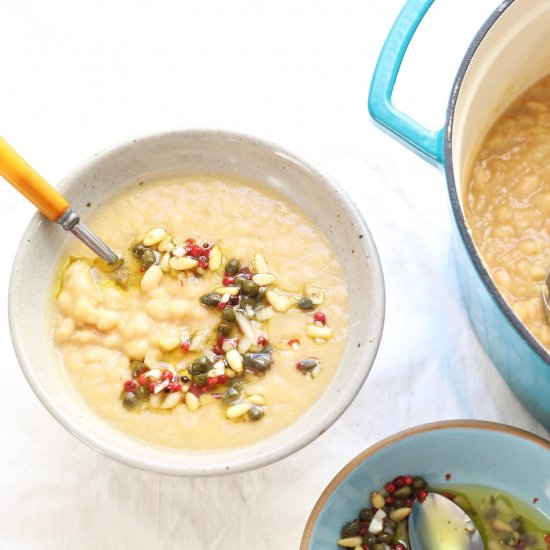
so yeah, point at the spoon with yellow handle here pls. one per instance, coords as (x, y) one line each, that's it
(52, 204)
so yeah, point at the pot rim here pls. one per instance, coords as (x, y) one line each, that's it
(453, 189)
(400, 436)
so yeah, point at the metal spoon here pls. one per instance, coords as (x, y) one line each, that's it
(51, 203)
(546, 295)
(439, 524)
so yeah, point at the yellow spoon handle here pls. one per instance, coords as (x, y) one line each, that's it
(30, 184)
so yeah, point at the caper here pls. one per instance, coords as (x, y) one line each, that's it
(138, 250)
(200, 380)
(261, 362)
(384, 537)
(239, 281)
(366, 514)
(229, 315)
(379, 546)
(403, 492)
(237, 382)
(136, 365)
(261, 294)
(224, 329)
(130, 400)
(211, 299)
(369, 539)
(142, 392)
(255, 413)
(205, 361)
(307, 365)
(305, 303)
(148, 258)
(419, 483)
(247, 301)
(391, 525)
(230, 394)
(350, 529)
(250, 288)
(232, 267)
(200, 366)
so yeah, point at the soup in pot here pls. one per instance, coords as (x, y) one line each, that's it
(507, 205)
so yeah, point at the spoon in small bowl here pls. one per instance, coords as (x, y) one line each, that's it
(438, 523)
(50, 202)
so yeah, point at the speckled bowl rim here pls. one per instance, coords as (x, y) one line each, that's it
(252, 461)
(400, 436)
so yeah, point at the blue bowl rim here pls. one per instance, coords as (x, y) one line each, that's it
(402, 435)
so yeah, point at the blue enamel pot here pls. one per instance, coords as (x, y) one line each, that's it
(509, 53)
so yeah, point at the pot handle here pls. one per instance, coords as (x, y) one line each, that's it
(425, 143)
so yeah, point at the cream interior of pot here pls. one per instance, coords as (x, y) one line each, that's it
(514, 54)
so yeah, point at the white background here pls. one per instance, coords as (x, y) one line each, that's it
(78, 77)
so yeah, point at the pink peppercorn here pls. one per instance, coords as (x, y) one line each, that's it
(320, 317)
(175, 386)
(129, 385)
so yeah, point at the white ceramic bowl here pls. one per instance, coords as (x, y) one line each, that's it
(120, 168)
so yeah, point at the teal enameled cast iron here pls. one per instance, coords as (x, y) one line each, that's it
(510, 52)
(472, 452)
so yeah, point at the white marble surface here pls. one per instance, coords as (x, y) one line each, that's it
(78, 77)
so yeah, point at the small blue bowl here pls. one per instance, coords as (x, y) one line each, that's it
(473, 452)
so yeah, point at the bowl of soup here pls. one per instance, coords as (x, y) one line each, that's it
(493, 150)
(241, 320)
(479, 465)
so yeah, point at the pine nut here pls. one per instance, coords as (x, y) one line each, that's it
(257, 399)
(260, 265)
(500, 525)
(166, 245)
(183, 263)
(154, 236)
(165, 263)
(316, 331)
(279, 301)
(230, 373)
(154, 401)
(350, 542)
(215, 258)
(151, 278)
(171, 400)
(377, 500)
(231, 290)
(264, 279)
(179, 252)
(192, 402)
(235, 360)
(400, 514)
(238, 410)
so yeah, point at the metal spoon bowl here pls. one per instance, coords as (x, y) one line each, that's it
(438, 523)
